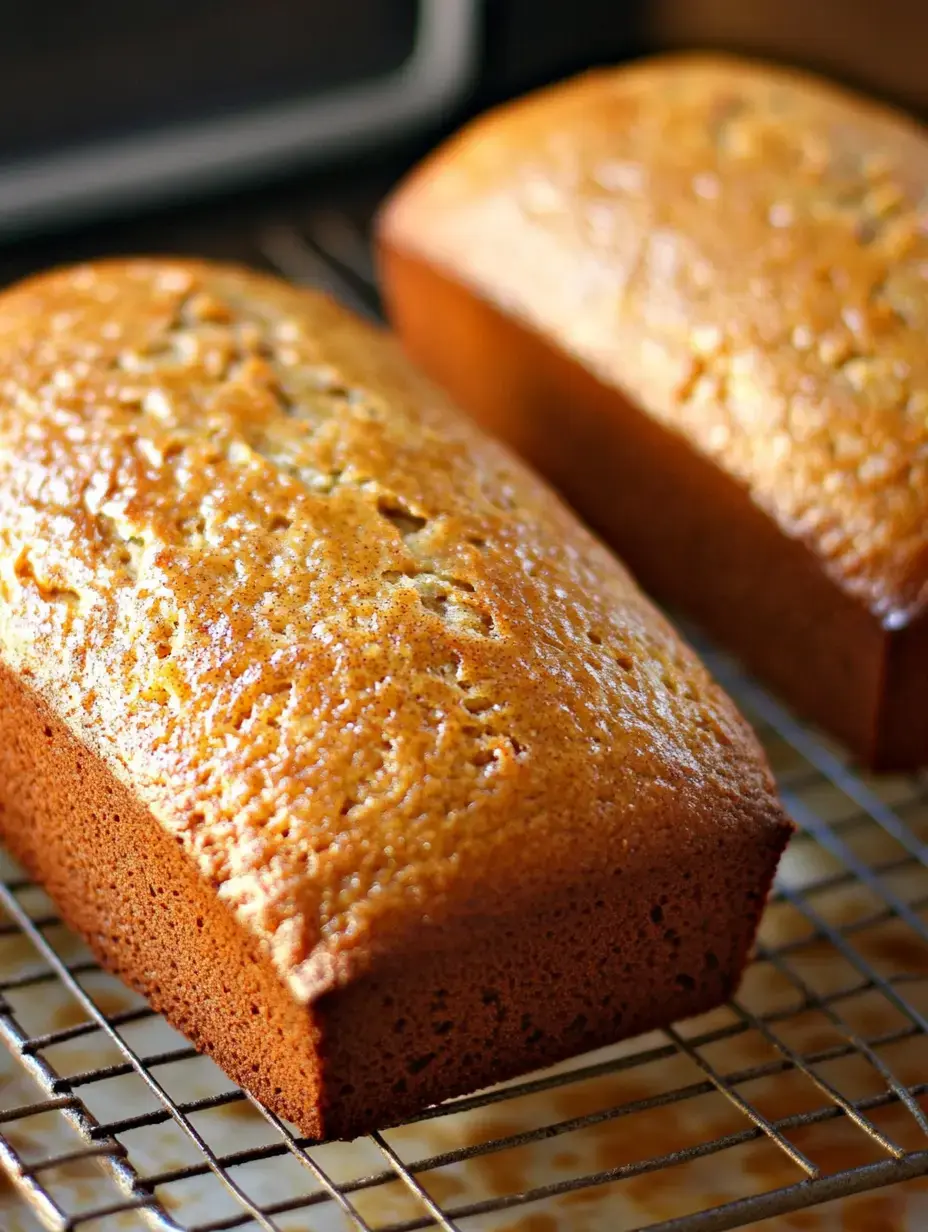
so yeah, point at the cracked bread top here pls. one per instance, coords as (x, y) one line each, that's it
(744, 251)
(364, 666)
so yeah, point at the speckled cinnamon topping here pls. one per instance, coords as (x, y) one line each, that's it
(744, 251)
(371, 674)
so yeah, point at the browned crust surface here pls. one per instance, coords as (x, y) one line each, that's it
(729, 268)
(441, 771)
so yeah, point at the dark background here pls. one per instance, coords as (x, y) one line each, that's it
(71, 71)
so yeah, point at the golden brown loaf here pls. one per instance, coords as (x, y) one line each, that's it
(326, 722)
(695, 292)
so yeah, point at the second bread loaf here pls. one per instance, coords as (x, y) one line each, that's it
(695, 293)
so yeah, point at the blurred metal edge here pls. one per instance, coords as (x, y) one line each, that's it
(176, 162)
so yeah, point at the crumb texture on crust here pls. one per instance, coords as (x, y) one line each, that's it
(366, 668)
(744, 251)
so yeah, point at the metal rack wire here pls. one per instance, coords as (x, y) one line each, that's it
(812, 1084)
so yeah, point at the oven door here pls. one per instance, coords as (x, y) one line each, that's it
(105, 105)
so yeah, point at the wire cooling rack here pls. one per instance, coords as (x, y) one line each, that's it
(810, 1085)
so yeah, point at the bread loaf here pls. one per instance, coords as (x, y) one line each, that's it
(326, 723)
(694, 292)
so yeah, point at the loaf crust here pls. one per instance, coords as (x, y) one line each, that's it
(326, 723)
(694, 291)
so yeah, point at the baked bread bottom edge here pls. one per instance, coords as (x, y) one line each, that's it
(481, 1000)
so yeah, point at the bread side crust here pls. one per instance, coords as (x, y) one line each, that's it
(125, 885)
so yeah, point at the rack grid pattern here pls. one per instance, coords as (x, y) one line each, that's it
(811, 1084)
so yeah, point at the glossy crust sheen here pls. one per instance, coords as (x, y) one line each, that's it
(326, 722)
(711, 278)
